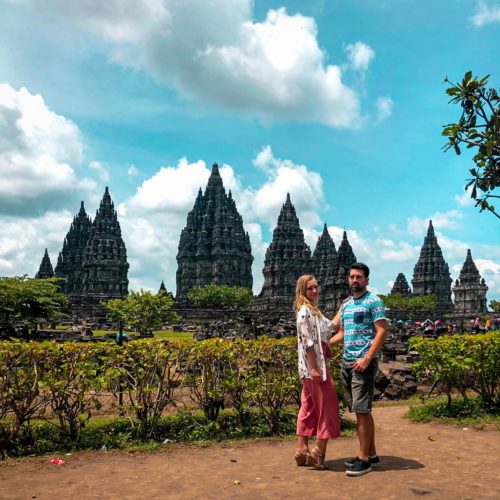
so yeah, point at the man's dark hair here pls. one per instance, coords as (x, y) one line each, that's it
(360, 267)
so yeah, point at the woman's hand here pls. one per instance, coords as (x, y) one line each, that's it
(316, 375)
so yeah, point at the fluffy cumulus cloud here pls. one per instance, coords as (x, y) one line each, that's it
(40, 154)
(215, 52)
(284, 177)
(360, 55)
(486, 12)
(23, 240)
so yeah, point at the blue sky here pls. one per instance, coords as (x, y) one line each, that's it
(341, 103)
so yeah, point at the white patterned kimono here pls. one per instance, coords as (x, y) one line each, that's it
(311, 331)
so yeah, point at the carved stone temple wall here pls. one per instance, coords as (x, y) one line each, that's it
(213, 247)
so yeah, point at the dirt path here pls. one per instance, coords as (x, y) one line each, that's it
(417, 460)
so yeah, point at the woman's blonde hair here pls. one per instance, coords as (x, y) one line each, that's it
(300, 294)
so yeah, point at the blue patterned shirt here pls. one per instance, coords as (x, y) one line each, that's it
(358, 318)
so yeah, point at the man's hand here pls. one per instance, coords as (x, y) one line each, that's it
(316, 375)
(361, 364)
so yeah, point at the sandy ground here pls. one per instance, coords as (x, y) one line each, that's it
(417, 460)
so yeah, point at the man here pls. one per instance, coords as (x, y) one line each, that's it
(363, 329)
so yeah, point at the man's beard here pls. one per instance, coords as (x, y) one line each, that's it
(356, 287)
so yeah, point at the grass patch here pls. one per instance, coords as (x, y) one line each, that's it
(185, 427)
(465, 413)
(173, 335)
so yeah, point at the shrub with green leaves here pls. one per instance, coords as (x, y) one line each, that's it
(149, 372)
(460, 363)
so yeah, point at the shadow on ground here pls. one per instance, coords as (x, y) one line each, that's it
(387, 462)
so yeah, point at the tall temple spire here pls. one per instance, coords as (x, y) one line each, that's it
(431, 274)
(213, 247)
(70, 260)
(346, 257)
(287, 257)
(105, 265)
(346, 254)
(45, 270)
(470, 289)
(325, 264)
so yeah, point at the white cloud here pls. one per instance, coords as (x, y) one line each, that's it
(101, 169)
(213, 51)
(132, 171)
(40, 153)
(465, 200)
(360, 55)
(486, 13)
(384, 108)
(171, 189)
(283, 176)
(490, 271)
(23, 240)
(440, 220)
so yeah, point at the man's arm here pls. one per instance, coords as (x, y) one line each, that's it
(336, 320)
(361, 364)
(338, 338)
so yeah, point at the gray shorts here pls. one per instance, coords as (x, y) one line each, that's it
(359, 386)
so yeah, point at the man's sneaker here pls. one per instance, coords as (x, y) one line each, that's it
(359, 467)
(374, 461)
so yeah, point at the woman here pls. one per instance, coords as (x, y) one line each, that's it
(319, 410)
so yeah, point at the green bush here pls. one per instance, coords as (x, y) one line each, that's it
(461, 363)
(51, 392)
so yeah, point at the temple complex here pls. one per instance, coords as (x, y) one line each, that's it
(470, 289)
(431, 274)
(287, 257)
(401, 286)
(213, 247)
(70, 261)
(45, 270)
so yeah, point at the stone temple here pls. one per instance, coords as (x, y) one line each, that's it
(287, 257)
(45, 270)
(70, 260)
(213, 247)
(93, 261)
(470, 289)
(431, 274)
(401, 286)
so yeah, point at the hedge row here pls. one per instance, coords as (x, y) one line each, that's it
(463, 363)
(63, 385)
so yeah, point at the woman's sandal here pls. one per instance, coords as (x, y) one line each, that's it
(304, 458)
(319, 459)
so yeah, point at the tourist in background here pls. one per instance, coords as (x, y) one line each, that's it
(363, 329)
(319, 409)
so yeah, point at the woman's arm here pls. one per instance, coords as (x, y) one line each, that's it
(313, 365)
